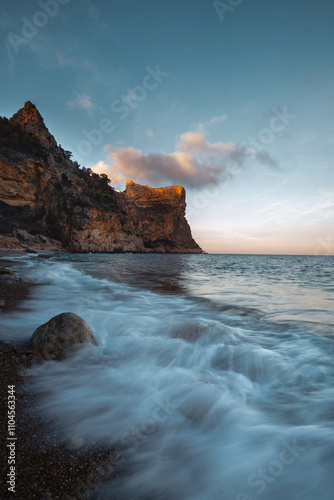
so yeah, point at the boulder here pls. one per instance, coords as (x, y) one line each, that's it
(26, 280)
(30, 250)
(61, 335)
(3, 270)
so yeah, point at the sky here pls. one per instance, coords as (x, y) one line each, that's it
(231, 99)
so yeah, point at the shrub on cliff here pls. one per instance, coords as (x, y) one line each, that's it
(14, 137)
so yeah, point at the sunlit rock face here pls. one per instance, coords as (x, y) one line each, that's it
(47, 202)
(31, 121)
(158, 215)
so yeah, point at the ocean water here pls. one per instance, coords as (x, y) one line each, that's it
(213, 375)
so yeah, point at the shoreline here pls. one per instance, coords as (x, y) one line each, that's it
(46, 468)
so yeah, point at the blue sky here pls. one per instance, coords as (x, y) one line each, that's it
(234, 100)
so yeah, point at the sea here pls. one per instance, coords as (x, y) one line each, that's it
(213, 376)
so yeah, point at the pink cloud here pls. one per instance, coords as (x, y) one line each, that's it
(81, 101)
(195, 162)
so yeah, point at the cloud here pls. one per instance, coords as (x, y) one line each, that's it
(81, 101)
(264, 158)
(217, 119)
(203, 127)
(194, 163)
(101, 167)
(73, 61)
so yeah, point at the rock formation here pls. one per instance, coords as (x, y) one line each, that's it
(32, 122)
(158, 215)
(48, 202)
(60, 335)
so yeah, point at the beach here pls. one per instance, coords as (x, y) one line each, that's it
(46, 468)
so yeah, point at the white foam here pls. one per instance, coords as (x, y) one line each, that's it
(199, 406)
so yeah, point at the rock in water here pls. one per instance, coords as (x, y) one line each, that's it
(62, 333)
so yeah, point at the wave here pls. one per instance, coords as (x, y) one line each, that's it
(202, 401)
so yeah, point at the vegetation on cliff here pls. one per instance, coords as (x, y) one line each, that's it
(49, 201)
(14, 137)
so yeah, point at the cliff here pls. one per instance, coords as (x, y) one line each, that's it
(48, 202)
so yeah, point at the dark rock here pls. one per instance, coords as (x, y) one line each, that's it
(30, 250)
(3, 270)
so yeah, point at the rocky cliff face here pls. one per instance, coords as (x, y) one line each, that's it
(48, 202)
(32, 122)
(158, 215)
